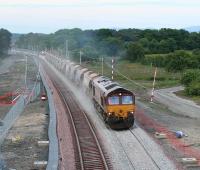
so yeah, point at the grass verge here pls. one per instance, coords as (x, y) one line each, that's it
(142, 75)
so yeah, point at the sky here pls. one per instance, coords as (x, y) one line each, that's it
(48, 16)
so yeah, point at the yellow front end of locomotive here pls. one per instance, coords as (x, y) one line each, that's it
(120, 111)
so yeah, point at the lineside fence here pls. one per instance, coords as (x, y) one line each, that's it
(24, 99)
(17, 109)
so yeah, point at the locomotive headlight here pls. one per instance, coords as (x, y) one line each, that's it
(110, 113)
(132, 112)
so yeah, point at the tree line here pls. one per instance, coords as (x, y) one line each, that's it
(5, 40)
(110, 42)
(177, 61)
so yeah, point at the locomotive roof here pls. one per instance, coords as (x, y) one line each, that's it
(117, 89)
(76, 66)
(107, 85)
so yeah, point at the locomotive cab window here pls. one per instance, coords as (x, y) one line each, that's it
(127, 100)
(113, 100)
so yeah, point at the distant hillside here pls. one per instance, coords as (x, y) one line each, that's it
(193, 29)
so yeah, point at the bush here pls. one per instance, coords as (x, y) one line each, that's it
(196, 51)
(178, 61)
(193, 89)
(191, 79)
(135, 52)
(189, 76)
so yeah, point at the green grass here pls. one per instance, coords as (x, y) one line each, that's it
(150, 55)
(140, 74)
(188, 51)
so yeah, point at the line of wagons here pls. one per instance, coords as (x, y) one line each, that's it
(115, 103)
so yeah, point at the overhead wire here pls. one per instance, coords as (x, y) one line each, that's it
(130, 80)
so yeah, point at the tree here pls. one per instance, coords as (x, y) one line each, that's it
(178, 61)
(153, 46)
(135, 52)
(193, 88)
(189, 76)
(5, 40)
(114, 42)
(104, 33)
(144, 42)
(111, 46)
(191, 79)
(168, 45)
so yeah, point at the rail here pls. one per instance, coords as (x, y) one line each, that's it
(143, 146)
(88, 152)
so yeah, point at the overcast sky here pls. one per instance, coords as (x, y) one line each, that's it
(23, 16)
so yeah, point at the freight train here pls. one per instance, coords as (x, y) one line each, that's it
(115, 103)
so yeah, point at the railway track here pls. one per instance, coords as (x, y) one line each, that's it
(144, 148)
(136, 136)
(133, 161)
(88, 151)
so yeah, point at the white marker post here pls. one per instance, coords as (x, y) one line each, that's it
(25, 76)
(102, 66)
(80, 57)
(112, 69)
(154, 80)
(66, 49)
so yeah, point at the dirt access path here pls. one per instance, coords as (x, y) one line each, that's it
(176, 104)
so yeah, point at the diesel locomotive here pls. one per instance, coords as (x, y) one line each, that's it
(115, 103)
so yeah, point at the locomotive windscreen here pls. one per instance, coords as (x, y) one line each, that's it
(113, 100)
(122, 99)
(127, 100)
